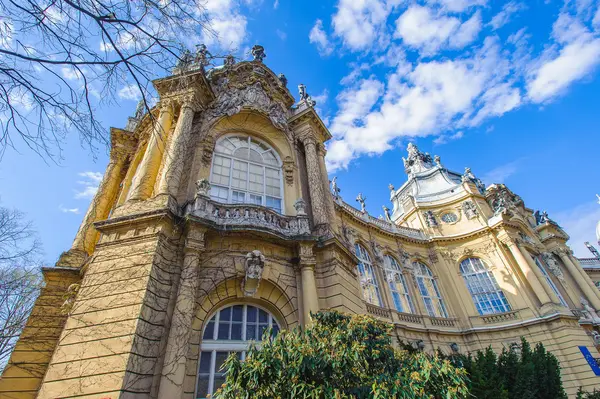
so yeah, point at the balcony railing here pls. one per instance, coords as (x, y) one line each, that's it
(589, 262)
(442, 322)
(378, 311)
(248, 217)
(382, 224)
(410, 318)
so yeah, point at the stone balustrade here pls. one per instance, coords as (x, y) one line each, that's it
(382, 224)
(410, 318)
(247, 217)
(378, 311)
(500, 317)
(442, 322)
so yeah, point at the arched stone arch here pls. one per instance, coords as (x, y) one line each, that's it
(269, 296)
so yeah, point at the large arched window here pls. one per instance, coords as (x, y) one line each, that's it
(482, 285)
(368, 280)
(230, 330)
(398, 286)
(430, 292)
(246, 171)
(542, 266)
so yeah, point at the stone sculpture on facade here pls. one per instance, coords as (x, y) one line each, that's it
(362, 201)
(541, 217)
(229, 61)
(140, 110)
(469, 209)
(416, 161)
(386, 212)
(588, 313)
(553, 266)
(305, 97)
(203, 188)
(300, 207)
(282, 79)
(595, 337)
(468, 176)
(254, 265)
(202, 55)
(335, 190)
(430, 219)
(258, 53)
(185, 61)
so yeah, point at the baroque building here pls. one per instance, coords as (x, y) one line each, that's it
(215, 220)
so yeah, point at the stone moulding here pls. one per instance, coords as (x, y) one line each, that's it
(384, 225)
(500, 317)
(248, 217)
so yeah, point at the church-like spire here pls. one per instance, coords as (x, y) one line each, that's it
(416, 161)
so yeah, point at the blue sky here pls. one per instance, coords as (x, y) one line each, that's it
(509, 89)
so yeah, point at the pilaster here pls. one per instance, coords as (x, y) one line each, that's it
(319, 207)
(310, 297)
(590, 293)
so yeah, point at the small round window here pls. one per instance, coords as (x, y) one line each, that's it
(449, 217)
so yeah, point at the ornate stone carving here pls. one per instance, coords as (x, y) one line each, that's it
(258, 53)
(553, 266)
(432, 256)
(595, 337)
(203, 188)
(362, 201)
(306, 255)
(416, 161)
(588, 313)
(430, 219)
(454, 347)
(254, 265)
(377, 251)
(69, 297)
(468, 176)
(541, 217)
(185, 61)
(469, 209)
(351, 237)
(202, 55)
(437, 160)
(300, 207)
(207, 148)
(386, 212)
(288, 170)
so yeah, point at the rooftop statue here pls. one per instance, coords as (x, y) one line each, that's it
(416, 161)
(202, 55)
(140, 110)
(335, 190)
(361, 200)
(305, 97)
(468, 176)
(258, 52)
(185, 61)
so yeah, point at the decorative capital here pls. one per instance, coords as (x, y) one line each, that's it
(203, 188)
(194, 241)
(306, 254)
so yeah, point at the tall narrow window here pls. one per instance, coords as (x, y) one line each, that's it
(398, 286)
(482, 285)
(368, 280)
(246, 171)
(542, 266)
(230, 330)
(429, 290)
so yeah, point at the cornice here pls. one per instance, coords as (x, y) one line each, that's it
(308, 115)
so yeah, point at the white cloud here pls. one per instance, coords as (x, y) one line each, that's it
(579, 223)
(318, 37)
(420, 28)
(70, 73)
(68, 210)
(444, 138)
(359, 23)
(430, 98)
(501, 173)
(227, 25)
(574, 62)
(130, 92)
(89, 185)
(596, 20)
(457, 5)
(321, 98)
(508, 11)
(275, 4)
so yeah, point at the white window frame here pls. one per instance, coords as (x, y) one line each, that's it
(264, 166)
(393, 271)
(483, 287)
(542, 266)
(364, 267)
(431, 300)
(215, 345)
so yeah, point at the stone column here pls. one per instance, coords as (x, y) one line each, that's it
(531, 272)
(581, 280)
(325, 181)
(173, 371)
(315, 184)
(145, 176)
(310, 297)
(101, 205)
(585, 276)
(175, 156)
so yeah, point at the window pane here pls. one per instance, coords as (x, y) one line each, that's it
(223, 330)
(251, 332)
(238, 197)
(255, 199)
(205, 358)
(236, 331)
(251, 313)
(209, 330)
(203, 385)
(238, 311)
(274, 203)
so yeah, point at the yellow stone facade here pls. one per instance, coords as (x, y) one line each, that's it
(162, 251)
